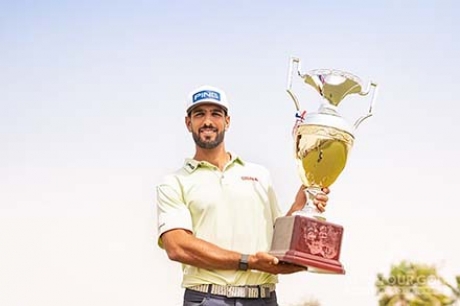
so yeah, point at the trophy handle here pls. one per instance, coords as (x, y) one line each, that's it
(374, 96)
(293, 62)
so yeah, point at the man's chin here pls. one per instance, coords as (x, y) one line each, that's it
(207, 144)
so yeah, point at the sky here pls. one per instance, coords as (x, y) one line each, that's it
(92, 106)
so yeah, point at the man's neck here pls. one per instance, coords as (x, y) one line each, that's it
(217, 156)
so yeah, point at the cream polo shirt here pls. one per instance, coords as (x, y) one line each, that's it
(234, 209)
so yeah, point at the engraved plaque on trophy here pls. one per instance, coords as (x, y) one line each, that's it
(322, 141)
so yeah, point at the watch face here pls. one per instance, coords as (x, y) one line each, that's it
(243, 264)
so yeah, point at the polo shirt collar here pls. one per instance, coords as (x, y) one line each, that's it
(190, 164)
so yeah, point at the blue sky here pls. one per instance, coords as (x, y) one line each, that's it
(92, 97)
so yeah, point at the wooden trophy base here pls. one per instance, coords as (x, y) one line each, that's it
(308, 242)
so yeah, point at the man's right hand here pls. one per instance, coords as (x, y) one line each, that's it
(268, 263)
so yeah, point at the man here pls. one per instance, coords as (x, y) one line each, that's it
(216, 215)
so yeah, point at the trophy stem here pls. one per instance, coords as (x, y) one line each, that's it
(310, 209)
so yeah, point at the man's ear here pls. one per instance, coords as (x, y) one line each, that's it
(227, 123)
(188, 123)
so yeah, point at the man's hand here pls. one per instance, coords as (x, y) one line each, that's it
(267, 263)
(319, 200)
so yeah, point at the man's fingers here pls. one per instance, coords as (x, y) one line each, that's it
(321, 198)
(320, 205)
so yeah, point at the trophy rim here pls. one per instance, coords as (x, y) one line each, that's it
(325, 71)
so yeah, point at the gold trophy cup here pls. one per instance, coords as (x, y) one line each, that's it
(322, 141)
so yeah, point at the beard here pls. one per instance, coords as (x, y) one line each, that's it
(207, 143)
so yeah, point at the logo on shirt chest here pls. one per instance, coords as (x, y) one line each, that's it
(249, 178)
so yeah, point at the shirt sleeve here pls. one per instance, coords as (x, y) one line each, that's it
(172, 213)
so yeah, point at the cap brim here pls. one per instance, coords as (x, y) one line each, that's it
(191, 107)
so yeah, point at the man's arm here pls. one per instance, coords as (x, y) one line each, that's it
(182, 246)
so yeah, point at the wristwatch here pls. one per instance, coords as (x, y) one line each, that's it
(243, 264)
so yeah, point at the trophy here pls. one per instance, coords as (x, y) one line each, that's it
(322, 141)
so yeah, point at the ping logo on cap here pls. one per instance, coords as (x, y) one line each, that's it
(205, 94)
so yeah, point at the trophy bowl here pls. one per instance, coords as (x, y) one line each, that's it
(321, 154)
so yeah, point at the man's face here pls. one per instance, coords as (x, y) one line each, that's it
(208, 124)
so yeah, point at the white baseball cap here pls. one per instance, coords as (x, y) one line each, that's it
(206, 94)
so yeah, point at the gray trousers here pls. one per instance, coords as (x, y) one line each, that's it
(195, 298)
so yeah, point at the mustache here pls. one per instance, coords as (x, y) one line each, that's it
(207, 127)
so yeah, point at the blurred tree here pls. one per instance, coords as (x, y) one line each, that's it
(412, 284)
(309, 302)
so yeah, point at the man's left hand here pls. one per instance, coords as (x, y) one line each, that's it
(320, 199)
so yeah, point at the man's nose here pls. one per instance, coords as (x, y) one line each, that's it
(208, 119)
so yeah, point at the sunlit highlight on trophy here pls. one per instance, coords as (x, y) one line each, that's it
(322, 142)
